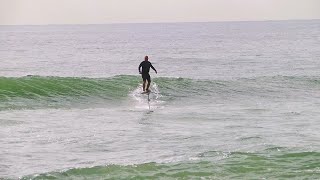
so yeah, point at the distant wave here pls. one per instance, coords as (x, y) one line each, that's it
(209, 165)
(31, 92)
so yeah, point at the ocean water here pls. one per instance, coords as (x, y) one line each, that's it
(231, 100)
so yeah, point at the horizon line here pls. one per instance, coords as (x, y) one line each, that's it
(164, 22)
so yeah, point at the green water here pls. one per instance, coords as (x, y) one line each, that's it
(275, 163)
(231, 100)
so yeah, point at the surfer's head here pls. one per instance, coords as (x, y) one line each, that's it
(146, 58)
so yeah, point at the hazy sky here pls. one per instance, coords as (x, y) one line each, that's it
(120, 11)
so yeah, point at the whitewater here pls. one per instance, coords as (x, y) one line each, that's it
(231, 100)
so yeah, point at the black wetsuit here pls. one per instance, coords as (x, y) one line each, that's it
(145, 70)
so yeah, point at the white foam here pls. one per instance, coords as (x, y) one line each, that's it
(140, 101)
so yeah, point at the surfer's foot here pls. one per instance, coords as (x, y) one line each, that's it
(147, 90)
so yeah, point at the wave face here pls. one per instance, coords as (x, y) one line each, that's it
(34, 92)
(236, 165)
(45, 92)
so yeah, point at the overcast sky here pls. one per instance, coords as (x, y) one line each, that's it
(132, 11)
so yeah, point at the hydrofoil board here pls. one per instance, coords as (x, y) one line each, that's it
(146, 92)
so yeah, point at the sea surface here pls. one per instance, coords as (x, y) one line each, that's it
(231, 100)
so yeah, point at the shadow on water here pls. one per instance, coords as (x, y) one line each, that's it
(146, 115)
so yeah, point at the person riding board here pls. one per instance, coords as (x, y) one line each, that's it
(145, 73)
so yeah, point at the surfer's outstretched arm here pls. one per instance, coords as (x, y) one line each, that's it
(154, 69)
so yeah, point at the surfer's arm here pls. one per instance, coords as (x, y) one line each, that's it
(154, 69)
(140, 68)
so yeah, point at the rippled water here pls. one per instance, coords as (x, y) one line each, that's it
(236, 100)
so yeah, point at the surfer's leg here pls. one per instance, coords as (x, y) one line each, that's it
(144, 78)
(148, 85)
(144, 85)
(149, 82)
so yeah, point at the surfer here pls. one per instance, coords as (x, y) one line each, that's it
(145, 73)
